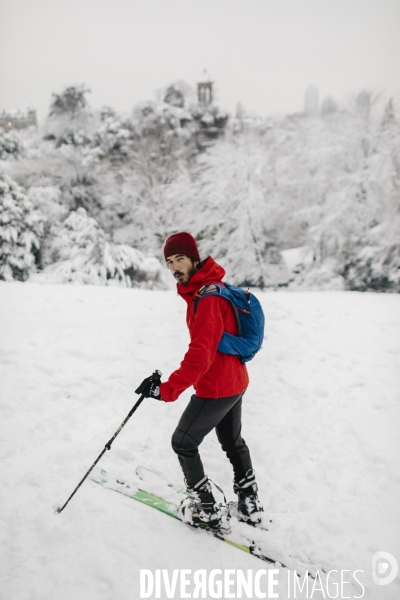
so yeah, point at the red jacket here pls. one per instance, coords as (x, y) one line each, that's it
(212, 374)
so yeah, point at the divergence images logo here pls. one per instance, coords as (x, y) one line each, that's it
(384, 568)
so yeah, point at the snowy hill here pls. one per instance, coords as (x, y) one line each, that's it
(321, 418)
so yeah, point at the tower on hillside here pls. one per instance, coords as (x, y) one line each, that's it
(311, 100)
(205, 89)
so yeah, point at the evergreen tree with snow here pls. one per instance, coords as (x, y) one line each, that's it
(20, 229)
(10, 145)
(83, 253)
(70, 121)
(71, 101)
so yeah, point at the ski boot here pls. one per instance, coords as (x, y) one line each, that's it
(201, 510)
(248, 507)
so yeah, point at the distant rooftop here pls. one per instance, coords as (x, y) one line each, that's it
(18, 119)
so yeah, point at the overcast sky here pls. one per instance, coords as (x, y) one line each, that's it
(263, 53)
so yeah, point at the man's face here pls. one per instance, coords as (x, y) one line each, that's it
(182, 267)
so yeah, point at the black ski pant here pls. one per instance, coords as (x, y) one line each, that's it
(199, 418)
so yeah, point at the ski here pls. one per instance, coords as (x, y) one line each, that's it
(169, 506)
(150, 477)
(154, 481)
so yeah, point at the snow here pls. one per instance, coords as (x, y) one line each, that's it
(321, 418)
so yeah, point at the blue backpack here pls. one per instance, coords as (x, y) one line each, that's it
(249, 316)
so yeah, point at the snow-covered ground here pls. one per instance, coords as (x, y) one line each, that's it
(321, 417)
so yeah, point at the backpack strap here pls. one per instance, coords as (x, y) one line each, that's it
(211, 288)
(215, 289)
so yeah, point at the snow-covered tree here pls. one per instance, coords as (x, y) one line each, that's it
(164, 141)
(327, 183)
(377, 267)
(82, 253)
(70, 121)
(10, 145)
(360, 218)
(47, 200)
(230, 206)
(178, 93)
(114, 136)
(71, 101)
(20, 228)
(211, 121)
(174, 96)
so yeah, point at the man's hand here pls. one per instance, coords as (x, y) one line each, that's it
(150, 387)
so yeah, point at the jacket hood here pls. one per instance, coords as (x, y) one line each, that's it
(209, 272)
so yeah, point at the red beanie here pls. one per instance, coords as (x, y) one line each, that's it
(181, 243)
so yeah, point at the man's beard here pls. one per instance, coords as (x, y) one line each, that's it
(192, 271)
(190, 274)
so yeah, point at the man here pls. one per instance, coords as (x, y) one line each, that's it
(219, 380)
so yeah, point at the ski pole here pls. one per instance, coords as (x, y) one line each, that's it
(108, 445)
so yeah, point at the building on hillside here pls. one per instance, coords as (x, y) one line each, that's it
(311, 100)
(205, 89)
(210, 119)
(18, 119)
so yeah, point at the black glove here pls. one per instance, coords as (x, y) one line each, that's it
(150, 387)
